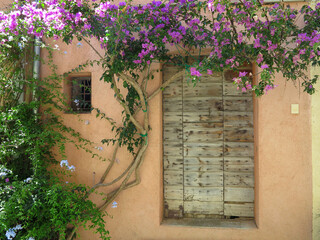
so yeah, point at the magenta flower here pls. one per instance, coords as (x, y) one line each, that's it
(237, 80)
(302, 51)
(260, 58)
(164, 40)
(209, 72)
(264, 66)
(220, 8)
(242, 74)
(295, 59)
(257, 43)
(240, 37)
(7, 180)
(194, 72)
(267, 88)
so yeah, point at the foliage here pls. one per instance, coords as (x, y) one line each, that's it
(132, 37)
(35, 201)
(43, 207)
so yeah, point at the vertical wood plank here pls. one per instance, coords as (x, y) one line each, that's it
(208, 147)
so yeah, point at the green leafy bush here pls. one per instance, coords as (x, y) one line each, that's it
(33, 198)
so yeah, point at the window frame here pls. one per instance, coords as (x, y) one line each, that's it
(223, 222)
(69, 92)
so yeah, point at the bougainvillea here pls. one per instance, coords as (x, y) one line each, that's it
(202, 37)
(277, 38)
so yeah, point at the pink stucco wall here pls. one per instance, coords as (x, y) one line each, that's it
(283, 205)
(283, 191)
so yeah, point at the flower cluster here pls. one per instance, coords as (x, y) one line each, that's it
(243, 80)
(28, 180)
(238, 32)
(4, 172)
(194, 72)
(12, 232)
(65, 163)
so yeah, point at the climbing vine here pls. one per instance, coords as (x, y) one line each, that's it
(202, 37)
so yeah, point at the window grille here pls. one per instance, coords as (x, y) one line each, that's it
(81, 94)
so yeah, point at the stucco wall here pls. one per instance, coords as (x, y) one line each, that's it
(283, 165)
(315, 108)
(316, 158)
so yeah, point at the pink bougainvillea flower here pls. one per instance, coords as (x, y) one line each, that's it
(237, 80)
(264, 66)
(260, 58)
(240, 37)
(242, 74)
(194, 72)
(257, 43)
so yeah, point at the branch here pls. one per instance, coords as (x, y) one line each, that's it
(101, 184)
(142, 98)
(147, 76)
(105, 173)
(74, 229)
(126, 109)
(166, 84)
(94, 49)
(136, 87)
(124, 185)
(111, 164)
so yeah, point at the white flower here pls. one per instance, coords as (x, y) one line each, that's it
(64, 163)
(10, 38)
(18, 227)
(76, 101)
(99, 148)
(71, 168)
(20, 45)
(56, 46)
(4, 172)
(114, 204)
(10, 234)
(28, 180)
(30, 238)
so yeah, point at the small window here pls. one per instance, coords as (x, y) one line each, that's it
(81, 94)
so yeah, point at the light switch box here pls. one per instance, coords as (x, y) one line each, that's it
(294, 108)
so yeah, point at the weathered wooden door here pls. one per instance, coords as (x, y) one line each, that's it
(207, 148)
